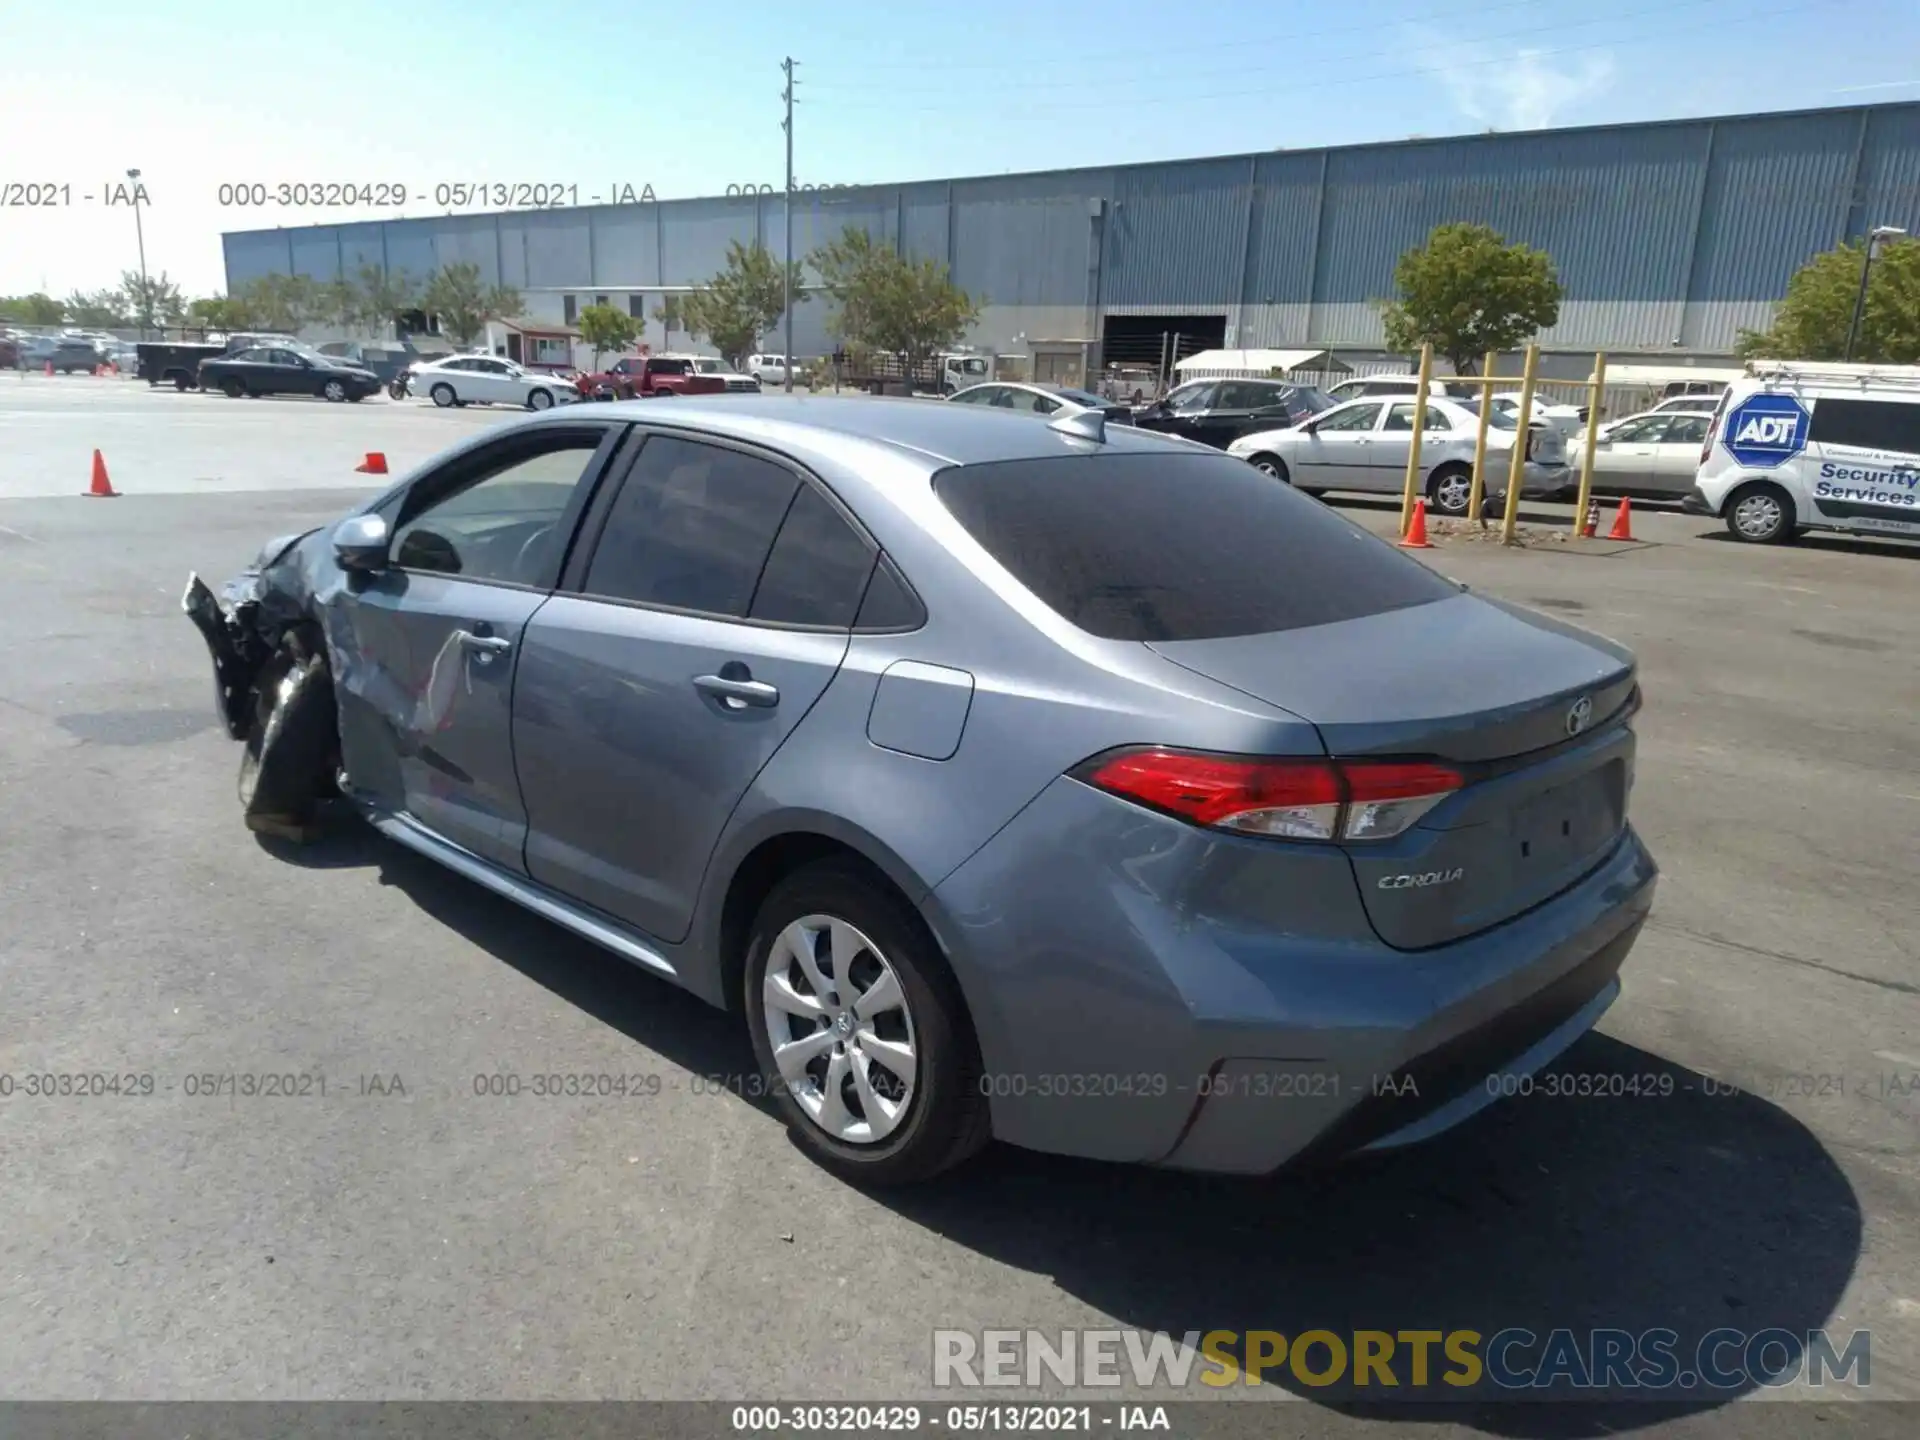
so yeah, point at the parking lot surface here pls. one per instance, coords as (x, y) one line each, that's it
(410, 1233)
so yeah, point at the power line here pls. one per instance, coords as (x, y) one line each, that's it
(1114, 102)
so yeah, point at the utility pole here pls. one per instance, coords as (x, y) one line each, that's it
(140, 238)
(1877, 236)
(786, 252)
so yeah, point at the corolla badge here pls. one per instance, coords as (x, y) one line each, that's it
(1421, 880)
(1579, 715)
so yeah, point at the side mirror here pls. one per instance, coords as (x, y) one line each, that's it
(360, 543)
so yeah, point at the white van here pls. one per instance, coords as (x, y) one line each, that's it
(1806, 445)
(768, 369)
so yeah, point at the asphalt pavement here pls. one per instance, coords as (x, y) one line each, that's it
(410, 1233)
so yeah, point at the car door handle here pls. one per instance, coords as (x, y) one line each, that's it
(756, 693)
(485, 647)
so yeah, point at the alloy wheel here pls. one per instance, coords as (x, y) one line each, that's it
(840, 1029)
(1758, 516)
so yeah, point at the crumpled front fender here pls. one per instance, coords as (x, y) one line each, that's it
(246, 623)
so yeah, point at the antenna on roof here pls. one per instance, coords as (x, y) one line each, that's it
(1082, 425)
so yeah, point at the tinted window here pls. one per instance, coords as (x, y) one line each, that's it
(1687, 430)
(1188, 398)
(1241, 395)
(890, 604)
(818, 567)
(691, 527)
(503, 527)
(1869, 424)
(672, 367)
(979, 395)
(1112, 544)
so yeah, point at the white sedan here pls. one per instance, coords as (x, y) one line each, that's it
(487, 380)
(1365, 445)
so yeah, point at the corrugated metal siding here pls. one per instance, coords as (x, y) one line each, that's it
(253, 253)
(1177, 234)
(469, 240)
(1027, 239)
(552, 245)
(410, 247)
(1613, 213)
(360, 247)
(696, 239)
(626, 245)
(316, 252)
(1889, 180)
(924, 216)
(1286, 223)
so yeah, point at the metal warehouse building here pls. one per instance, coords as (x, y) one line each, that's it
(1669, 237)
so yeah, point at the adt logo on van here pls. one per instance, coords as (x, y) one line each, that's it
(1765, 430)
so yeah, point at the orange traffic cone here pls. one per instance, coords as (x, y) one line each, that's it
(374, 464)
(1622, 522)
(101, 488)
(49, 369)
(1416, 536)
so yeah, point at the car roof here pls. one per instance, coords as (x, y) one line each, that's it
(932, 430)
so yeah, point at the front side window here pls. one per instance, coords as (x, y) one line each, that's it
(1687, 430)
(1354, 417)
(1190, 399)
(1110, 543)
(979, 395)
(503, 526)
(691, 527)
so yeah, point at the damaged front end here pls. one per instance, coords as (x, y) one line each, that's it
(272, 684)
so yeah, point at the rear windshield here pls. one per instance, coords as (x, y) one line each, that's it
(1178, 547)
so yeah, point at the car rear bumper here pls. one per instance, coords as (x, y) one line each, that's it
(1695, 502)
(1177, 1010)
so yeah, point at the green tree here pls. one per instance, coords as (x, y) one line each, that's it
(888, 303)
(1467, 291)
(464, 305)
(667, 312)
(217, 312)
(96, 308)
(38, 308)
(1812, 322)
(152, 302)
(607, 328)
(379, 295)
(280, 302)
(742, 302)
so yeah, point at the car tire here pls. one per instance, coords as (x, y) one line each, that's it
(232, 388)
(442, 395)
(182, 384)
(1271, 465)
(1761, 513)
(1450, 490)
(942, 1117)
(292, 746)
(334, 391)
(540, 400)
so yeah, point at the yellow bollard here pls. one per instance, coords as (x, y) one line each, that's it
(1419, 425)
(1593, 440)
(1517, 470)
(1480, 442)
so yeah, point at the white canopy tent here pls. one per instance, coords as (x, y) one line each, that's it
(1211, 364)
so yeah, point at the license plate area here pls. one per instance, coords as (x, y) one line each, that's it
(1566, 824)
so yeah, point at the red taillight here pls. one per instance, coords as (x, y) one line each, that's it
(1302, 799)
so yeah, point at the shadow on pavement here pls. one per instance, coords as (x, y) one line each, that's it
(1840, 544)
(1690, 1210)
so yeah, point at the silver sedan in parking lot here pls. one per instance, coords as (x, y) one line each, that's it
(1365, 445)
(1033, 780)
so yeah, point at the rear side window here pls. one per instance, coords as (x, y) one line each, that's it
(691, 528)
(817, 570)
(1868, 424)
(1178, 547)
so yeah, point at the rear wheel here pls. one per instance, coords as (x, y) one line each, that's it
(182, 383)
(1450, 489)
(1761, 514)
(442, 394)
(233, 388)
(860, 1030)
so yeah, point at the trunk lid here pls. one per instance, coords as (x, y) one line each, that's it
(1532, 711)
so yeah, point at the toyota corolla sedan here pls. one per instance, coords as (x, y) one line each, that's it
(1056, 782)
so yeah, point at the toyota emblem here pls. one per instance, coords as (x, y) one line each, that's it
(1579, 715)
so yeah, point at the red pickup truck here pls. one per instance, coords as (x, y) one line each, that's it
(644, 376)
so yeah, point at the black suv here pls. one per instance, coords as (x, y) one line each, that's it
(1219, 412)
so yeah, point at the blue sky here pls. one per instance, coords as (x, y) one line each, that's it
(685, 97)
